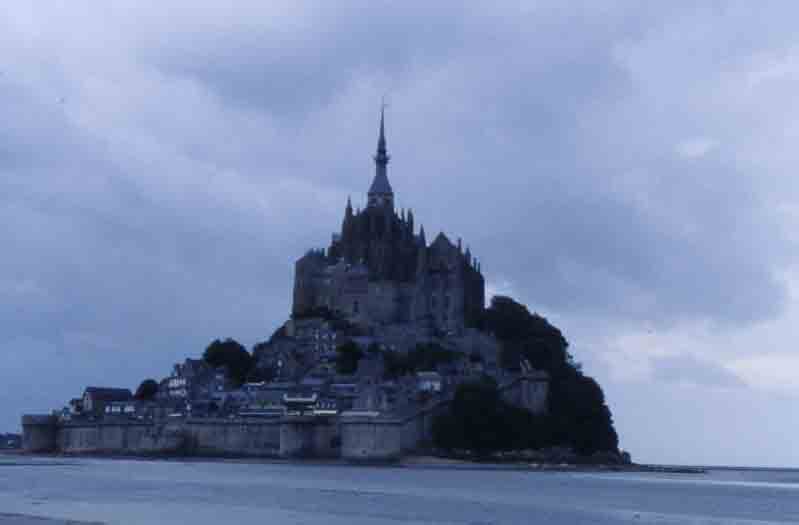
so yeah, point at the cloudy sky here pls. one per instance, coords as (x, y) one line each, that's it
(626, 170)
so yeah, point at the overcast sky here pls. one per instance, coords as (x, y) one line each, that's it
(625, 170)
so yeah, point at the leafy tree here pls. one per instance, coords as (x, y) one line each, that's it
(580, 418)
(421, 357)
(231, 354)
(147, 390)
(261, 374)
(479, 420)
(347, 357)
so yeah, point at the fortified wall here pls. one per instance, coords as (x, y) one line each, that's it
(286, 437)
(353, 438)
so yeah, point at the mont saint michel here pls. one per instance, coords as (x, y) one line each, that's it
(389, 350)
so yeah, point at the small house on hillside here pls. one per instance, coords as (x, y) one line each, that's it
(429, 381)
(95, 399)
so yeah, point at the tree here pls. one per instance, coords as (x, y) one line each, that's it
(347, 357)
(147, 390)
(580, 418)
(231, 354)
(477, 420)
(420, 358)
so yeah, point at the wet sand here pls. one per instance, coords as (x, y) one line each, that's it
(22, 519)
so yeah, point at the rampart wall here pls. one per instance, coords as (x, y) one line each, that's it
(360, 438)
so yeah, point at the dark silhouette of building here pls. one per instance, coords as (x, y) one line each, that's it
(379, 271)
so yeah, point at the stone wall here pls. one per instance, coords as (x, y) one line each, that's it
(380, 439)
(202, 437)
(309, 437)
(371, 439)
(528, 391)
(376, 439)
(225, 437)
(121, 438)
(39, 433)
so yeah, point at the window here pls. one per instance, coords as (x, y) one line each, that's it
(446, 301)
(355, 307)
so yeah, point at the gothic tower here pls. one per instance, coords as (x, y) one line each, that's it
(380, 193)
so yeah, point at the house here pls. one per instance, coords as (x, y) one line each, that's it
(313, 334)
(95, 399)
(428, 381)
(195, 379)
(300, 404)
(75, 406)
(121, 408)
(10, 441)
(326, 406)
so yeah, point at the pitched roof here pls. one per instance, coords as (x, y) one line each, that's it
(380, 183)
(109, 394)
(442, 241)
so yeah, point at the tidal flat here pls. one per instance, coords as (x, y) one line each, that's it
(52, 491)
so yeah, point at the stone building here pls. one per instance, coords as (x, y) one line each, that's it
(195, 379)
(95, 399)
(378, 270)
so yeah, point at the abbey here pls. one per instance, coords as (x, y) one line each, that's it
(378, 271)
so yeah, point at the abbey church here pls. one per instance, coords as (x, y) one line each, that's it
(379, 271)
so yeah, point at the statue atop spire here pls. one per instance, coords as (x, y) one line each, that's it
(380, 193)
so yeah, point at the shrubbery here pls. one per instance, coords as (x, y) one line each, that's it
(231, 354)
(347, 357)
(147, 390)
(479, 420)
(578, 416)
(422, 357)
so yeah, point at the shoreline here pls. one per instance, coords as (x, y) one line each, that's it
(421, 462)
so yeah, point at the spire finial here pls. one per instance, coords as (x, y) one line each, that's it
(381, 140)
(348, 209)
(380, 192)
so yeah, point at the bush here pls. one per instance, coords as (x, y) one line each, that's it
(580, 418)
(147, 390)
(347, 357)
(480, 421)
(231, 354)
(422, 357)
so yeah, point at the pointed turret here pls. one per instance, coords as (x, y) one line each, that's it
(347, 223)
(422, 239)
(380, 193)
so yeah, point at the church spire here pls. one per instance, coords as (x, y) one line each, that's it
(380, 193)
(382, 155)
